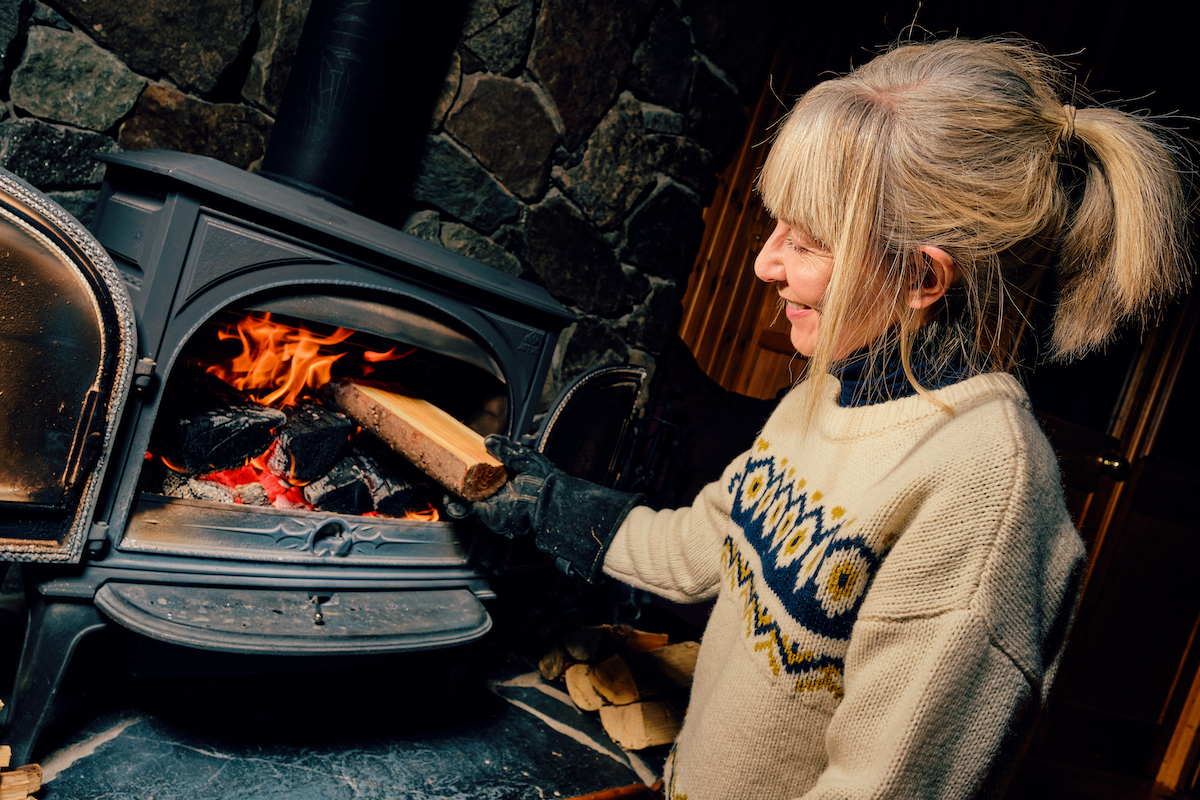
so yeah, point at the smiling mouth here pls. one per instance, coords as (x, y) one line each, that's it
(792, 306)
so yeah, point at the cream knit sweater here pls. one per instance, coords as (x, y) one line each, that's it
(892, 593)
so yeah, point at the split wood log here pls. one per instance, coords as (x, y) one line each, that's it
(581, 689)
(553, 664)
(641, 725)
(630, 639)
(583, 644)
(666, 669)
(614, 681)
(19, 783)
(205, 425)
(309, 443)
(437, 443)
(5, 751)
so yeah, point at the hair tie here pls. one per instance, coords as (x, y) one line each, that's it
(1068, 132)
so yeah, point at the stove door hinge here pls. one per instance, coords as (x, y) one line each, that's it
(97, 540)
(144, 378)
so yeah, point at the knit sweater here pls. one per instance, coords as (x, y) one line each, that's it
(893, 592)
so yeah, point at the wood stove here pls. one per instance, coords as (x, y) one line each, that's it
(181, 244)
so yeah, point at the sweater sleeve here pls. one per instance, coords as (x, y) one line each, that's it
(673, 553)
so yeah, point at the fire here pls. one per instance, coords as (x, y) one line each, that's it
(279, 362)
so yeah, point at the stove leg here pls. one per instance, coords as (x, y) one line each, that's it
(55, 628)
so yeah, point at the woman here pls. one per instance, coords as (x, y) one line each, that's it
(893, 564)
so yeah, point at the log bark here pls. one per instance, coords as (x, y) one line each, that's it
(437, 443)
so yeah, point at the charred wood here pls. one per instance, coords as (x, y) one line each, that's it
(206, 425)
(341, 490)
(310, 443)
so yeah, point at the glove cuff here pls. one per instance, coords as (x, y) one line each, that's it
(575, 523)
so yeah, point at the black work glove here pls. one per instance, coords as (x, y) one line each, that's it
(572, 520)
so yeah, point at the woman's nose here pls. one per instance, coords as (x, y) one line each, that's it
(767, 264)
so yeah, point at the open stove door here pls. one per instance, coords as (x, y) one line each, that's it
(67, 351)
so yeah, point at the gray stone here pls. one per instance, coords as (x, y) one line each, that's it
(166, 118)
(663, 233)
(497, 33)
(48, 155)
(580, 52)
(613, 174)
(685, 161)
(585, 345)
(66, 77)
(736, 36)
(655, 320)
(502, 122)
(81, 203)
(449, 92)
(664, 61)
(659, 119)
(572, 259)
(450, 180)
(425, 225)
(45, 15)
(459, 238)
(191, 43)
(280, 23)
(716, 117)
(11, 12)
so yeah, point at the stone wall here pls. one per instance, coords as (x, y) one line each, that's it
(575, 143)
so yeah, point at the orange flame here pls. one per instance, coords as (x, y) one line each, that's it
(283, 360)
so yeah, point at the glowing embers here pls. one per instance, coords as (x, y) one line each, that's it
(249, 427)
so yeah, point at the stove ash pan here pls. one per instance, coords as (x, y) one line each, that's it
(96, 329)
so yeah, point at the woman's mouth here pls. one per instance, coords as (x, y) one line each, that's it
(793, 310)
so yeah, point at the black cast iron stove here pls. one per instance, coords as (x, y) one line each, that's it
(95, 327)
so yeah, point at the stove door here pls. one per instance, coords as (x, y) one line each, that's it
(590, 430)
(67, 350)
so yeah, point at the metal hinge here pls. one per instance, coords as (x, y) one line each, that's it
(97, 537)
(143, 374)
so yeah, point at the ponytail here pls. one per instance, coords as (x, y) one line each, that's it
(1124, 249)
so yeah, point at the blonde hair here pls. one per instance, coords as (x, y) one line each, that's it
(967, 145)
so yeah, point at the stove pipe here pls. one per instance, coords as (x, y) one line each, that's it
(360, 95)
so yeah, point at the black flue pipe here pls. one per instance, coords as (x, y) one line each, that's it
(361, 92)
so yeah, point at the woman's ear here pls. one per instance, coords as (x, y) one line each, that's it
(939, 274)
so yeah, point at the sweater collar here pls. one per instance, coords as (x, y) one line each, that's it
(864, 386)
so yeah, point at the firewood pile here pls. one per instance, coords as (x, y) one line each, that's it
(637, 682)
(347, 448)
(19, 783)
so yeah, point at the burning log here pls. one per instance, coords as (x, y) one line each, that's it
(206, 425)
(310, 443)
(342, 490)
(397, 487)
(437, 443)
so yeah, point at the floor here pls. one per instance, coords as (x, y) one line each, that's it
(134, 719)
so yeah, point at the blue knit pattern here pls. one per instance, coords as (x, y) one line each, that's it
(798, 567)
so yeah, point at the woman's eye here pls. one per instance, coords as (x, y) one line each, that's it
(790, 244)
